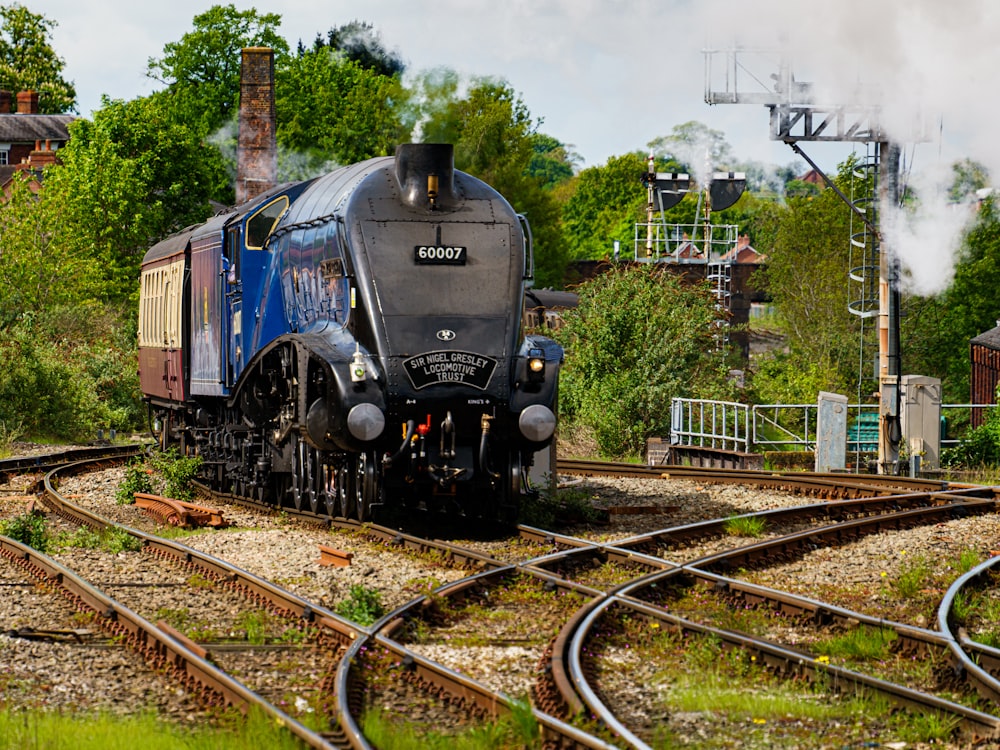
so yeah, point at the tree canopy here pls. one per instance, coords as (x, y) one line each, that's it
(360, 43)
(130, 177)
(29, 63)
(202, 69)
(331, 108)
(807, 277)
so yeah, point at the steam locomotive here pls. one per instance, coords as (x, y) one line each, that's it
(353, 343)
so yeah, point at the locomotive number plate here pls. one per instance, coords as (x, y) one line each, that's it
(439, 255)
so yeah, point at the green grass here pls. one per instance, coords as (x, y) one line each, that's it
(740, 703)
(749, 526)
(915, 574)
(859, 644)
(44, 730)
(516, 730)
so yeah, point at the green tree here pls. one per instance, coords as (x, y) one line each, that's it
(699, 149)
(29, 63)
(130, 177)
(552, 162)
(202, 70)
(936, 330)
(639, 337)
(360, 43)
(606, 203)
(807, 277)
(39, 270)
(968, 177)
(330, 108)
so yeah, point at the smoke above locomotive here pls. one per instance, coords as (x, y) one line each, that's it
(354, 342)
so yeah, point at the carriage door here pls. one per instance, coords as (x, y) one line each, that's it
(233, 286)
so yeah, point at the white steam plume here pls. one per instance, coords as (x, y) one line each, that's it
(926, 63)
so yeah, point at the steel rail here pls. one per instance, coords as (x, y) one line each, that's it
(986, 683)
(771, 655)
(257, 589)
(160, 647)
(817, 481)
(793, 605)
(839, 533)
(439, 677)
(48, 461)
(577, 633)
(832, 509)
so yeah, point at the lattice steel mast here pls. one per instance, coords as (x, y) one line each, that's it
(795, 117)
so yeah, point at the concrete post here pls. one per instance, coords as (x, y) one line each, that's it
(831, 432)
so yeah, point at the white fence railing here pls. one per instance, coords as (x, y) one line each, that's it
(726, 425)
(710, 424)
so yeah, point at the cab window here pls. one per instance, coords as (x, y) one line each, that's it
(263, 221)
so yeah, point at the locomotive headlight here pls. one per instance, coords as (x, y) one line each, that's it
(537, 423)
(365, 421)
(536, 366)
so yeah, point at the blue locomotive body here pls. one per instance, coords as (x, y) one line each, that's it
(354, 341)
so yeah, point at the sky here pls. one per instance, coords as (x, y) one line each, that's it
(606, 77)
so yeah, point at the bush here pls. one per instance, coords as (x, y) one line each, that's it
(29, 528)
(363, 607)
(979, 448)
(166, 473)
(639, 337)
(52, 385)
(177, 473)
(138, 478)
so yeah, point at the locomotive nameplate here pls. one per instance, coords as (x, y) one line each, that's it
(467, 368)
(439, 255)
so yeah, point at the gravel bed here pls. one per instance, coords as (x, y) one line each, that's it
(286, 552)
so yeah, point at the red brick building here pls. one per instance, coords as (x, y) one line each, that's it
(29, 141)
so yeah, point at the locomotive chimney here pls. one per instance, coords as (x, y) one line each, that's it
(256, 151)
(426, 174)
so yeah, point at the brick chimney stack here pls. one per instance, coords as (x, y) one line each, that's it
(256, 151)
(6, 102)
(27, 102)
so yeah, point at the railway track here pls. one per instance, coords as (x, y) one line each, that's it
(583, 589)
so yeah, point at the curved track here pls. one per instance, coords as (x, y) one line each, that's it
(579, 587)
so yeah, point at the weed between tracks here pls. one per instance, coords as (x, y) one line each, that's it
(863, 649)
(399, 715)
(701, 694)
(519, 611)
(978, 611)
(900, 587)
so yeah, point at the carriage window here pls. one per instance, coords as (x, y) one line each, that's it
(263, 222)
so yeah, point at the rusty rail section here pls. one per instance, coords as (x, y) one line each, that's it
(436, 679)
(44, 463)
(827, 485)
(188, 667)
(179, 512)
(642, 598)
(161, 649)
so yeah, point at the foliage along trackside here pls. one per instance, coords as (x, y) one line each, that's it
(638, 337)
(165, 473)
(138, 170)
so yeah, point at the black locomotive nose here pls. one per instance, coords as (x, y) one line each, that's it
(426, 174)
